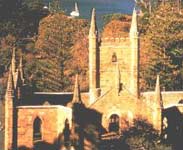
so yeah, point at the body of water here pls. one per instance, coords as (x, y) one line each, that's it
(102, 7)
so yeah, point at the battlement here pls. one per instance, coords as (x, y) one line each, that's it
(115, 39)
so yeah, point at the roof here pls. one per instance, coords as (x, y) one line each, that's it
(53, 98)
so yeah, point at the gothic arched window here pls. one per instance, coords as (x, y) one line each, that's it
(37, 135)
(114, 123)
(114, 57)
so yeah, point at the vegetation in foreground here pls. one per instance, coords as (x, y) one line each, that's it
(141, 136)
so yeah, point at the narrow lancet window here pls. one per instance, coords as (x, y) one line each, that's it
(37, 134)
(114, 57)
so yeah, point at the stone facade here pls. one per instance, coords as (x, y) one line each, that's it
(10, 109)
(169, 97)
(119, 78)
(113, 93)
(53, 123)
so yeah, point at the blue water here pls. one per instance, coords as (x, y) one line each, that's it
(102, 7)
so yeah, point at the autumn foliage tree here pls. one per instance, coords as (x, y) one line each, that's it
(116, 25)
(142, 135)
(63, 47)
(162, 49)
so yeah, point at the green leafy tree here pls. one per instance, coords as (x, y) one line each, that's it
(143, 136)
(55, 6)
(20, 18)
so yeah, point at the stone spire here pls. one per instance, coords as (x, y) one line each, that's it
(77, 94)
(13, 61)
(135, 47)
(10, 85)
(134, 24)
(77, 108)
(93, 59)
(21, 69)
(158, 96)
(157, 107)
(19, 83)
(9, 113)
(93, 26)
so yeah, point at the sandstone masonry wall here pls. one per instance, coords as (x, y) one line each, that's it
(53, 120)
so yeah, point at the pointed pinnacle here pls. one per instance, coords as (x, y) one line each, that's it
(77, 95)
(13, 61)
(10, 84)
(21, 61)
(93, 26)
(158, 96)
(21, 69)
(133, 29)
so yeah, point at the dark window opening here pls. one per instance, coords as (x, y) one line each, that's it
(67, 131)
(37, 135)
(114, 57)
(114, 123)
(181, 101)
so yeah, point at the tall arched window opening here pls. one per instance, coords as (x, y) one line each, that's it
(37, 134)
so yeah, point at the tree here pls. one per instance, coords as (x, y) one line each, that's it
(20, 18)
(116, 25)
(55, 6)
(164, 38)
(110, 17)
(142, 136)
(58, 42)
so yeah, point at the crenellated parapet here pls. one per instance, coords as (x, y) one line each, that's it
(114, 39)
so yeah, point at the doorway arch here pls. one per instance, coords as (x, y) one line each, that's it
(114, 121)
